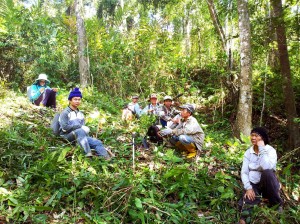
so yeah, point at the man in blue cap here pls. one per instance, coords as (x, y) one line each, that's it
(72, 127)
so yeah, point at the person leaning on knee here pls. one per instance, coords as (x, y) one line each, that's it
(258, 174)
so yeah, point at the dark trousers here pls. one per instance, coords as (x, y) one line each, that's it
(47, 98)
(268, 188)
(163, 122)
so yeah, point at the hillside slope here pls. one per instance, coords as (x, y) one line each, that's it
(44, 179)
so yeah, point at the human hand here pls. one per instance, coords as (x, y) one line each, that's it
(55, 89)
(161, 113)
(176, 120)
(42, 89)
(260, 142)
(85, 128)
(250, 194)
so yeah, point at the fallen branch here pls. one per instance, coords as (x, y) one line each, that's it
(287, 155)
(157, 209)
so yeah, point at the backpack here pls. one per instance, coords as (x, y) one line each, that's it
(29, 93)
(55, 126)
(152, 133)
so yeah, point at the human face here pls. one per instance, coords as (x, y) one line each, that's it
(134, 100)
(75, 102)
(168, 103)
(255, 138)
(153, 101)
(42, 82)
(185, 113)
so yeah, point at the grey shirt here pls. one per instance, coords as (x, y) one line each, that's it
(70, 120)
(191, 128)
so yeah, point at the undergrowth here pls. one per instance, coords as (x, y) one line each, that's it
(44, 179)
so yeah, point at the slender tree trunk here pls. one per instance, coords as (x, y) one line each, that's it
(82, 46)
(273, 57)
(243, 121)
(199, 45)
(187, 25)
(289, 97)
(216, 22)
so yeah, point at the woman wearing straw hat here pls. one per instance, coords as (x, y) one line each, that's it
(41, 93)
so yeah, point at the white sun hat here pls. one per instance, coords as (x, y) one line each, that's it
(43, 76)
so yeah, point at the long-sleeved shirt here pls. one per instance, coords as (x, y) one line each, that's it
(155, 109)
(35, 91)
(70, 120)
(191, 128)
(169, 113)
(254, 164)
(135, 108)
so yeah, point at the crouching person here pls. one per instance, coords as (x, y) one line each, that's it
(188, 136)
(41, 94)
(72, 127)
(258, 174)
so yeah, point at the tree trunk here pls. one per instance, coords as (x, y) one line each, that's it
(187, 26)
(289, 97)
(82, 46)
(243, 121)
(216, 22)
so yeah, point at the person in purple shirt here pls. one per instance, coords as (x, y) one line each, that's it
(258, 175)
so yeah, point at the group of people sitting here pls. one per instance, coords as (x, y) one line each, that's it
(182, 130)
(179, 128)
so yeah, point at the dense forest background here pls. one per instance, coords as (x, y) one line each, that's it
(237, 61)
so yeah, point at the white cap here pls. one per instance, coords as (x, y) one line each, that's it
(168, 98)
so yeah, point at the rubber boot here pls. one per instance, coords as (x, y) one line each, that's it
(191, 148)
(181, 147)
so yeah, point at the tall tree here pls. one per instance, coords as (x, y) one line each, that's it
(289, 97)
(82, 45)
(187, 27)
(215, 18)
(243, 121)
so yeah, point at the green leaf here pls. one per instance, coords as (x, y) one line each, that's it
(63, 154)
(122, 183)
(51, 199)
(228, 193)
(221, 189)
(13, 201)
(138, 203)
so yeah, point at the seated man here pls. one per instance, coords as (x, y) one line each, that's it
(153, 108)
(188, 135)
(258, 174)
(41, 94)
(168, 112)
(72, 127)
(132, 109)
